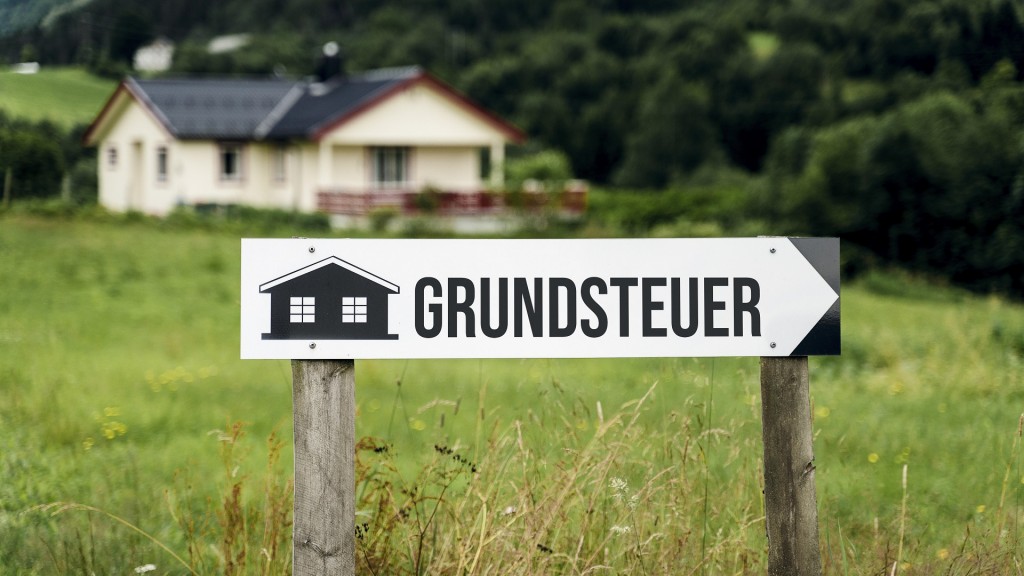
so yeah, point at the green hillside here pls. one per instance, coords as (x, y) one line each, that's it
(65, 96)
(121, 381)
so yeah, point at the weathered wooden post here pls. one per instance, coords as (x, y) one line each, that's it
(790, 502)
(323, 534)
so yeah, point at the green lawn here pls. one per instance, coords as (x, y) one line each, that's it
(65, 96)
(120, 381)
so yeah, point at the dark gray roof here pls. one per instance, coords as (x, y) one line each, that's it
(261, 109)
(223, 109)
(320, 106)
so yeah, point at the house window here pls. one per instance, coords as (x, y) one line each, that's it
(230, 162)
(303, 309)
(279, 163)
(390, 167)
(161, 164)
(112, 157)
(353, 310)
(485, 164)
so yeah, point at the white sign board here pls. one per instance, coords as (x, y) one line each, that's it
(369, 298)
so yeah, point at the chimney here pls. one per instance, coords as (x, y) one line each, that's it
(331, 65)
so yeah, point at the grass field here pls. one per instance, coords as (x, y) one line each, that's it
(121, 387)
(64, 96)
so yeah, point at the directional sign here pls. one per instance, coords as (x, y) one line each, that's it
(367, 298)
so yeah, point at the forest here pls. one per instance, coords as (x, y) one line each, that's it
(897, 125)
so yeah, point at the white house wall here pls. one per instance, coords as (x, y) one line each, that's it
(444, 138)
(200, 182)
(456, 169)
(348, 167)
(418, 115)
(130, 183)
(308, 162)
(193, 170)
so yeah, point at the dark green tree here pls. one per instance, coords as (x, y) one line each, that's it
(673, 135)
(130, 30)
(35, 163)
(756, 101)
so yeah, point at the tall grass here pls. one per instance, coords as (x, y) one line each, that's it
(118, 370)
(623, 497)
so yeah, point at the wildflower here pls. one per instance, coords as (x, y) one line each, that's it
(873, 458)
(145, 568)
(88, 443)
(113, 429)
(822, 412)
(943, 554)
(621, 488)
(621, 529)
(980, 509)
(508, 511)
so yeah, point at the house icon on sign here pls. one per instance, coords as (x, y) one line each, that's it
(329, 300)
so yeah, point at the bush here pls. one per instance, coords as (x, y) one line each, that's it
(34, 162)
(549, 167)
(250, 220)
(932, 186)
(84, 184)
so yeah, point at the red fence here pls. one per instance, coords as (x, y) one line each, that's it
(571, 201)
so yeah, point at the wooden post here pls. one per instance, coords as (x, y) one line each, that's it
(323, 534)
(790, 504)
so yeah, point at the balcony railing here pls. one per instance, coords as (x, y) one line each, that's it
(568, 202)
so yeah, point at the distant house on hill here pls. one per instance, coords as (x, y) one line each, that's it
(396, 140)
(155, 56)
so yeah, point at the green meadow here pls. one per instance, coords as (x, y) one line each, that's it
(132, 435)
(65, 96)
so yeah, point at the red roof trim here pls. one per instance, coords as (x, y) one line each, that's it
(510, 131)
(125, 87)
(87, 137)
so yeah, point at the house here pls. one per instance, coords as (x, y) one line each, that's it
(329, 300)
(352, 146)
(155, 56)
(25, 68)
(228, 43)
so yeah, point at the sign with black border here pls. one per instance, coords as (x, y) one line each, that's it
(594, 298)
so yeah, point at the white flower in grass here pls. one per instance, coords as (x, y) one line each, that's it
(621, 489)
(145, 568)
(621, 529)
(619, 485)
